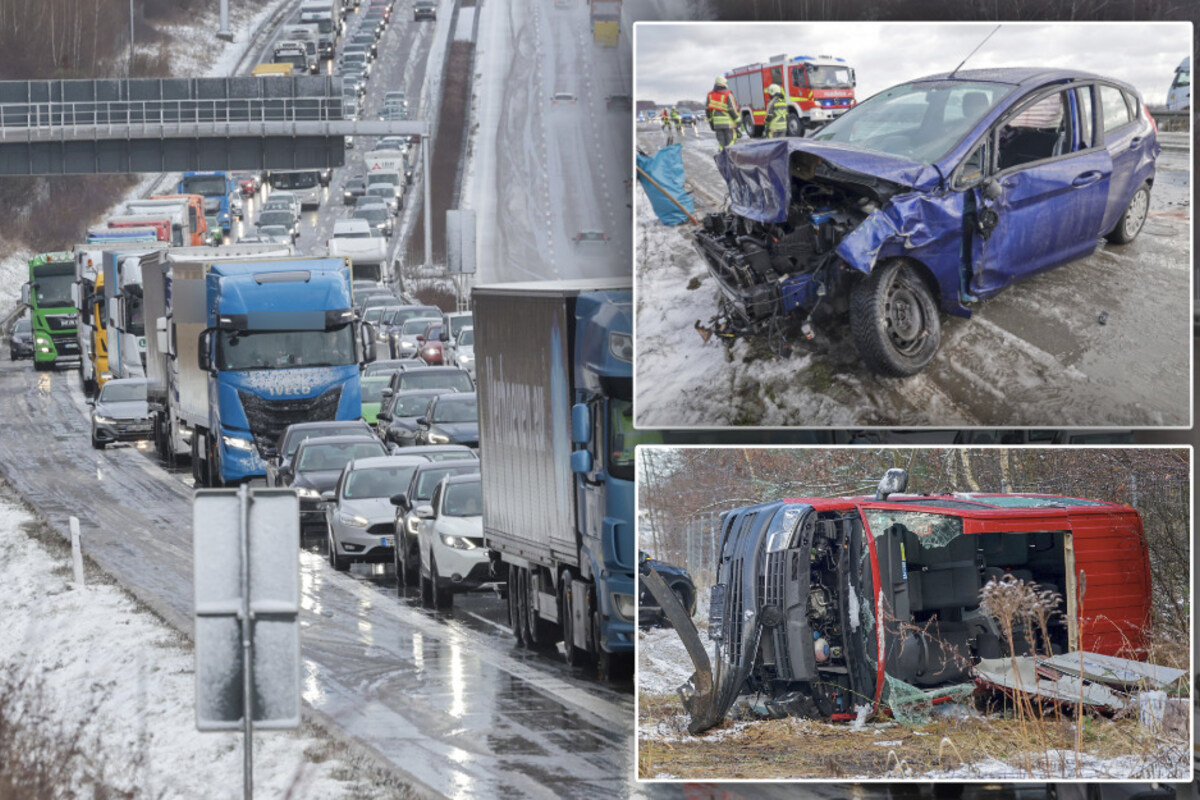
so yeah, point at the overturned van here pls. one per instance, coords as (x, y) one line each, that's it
(825, 604)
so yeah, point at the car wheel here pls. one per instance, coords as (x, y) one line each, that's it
(442, 598)
(96, 443)
(426, 591)
(894, 320)
(340, 563)
(1134, 217)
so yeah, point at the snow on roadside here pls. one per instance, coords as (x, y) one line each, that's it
(662, 661)
(146, 689)
(196, 50)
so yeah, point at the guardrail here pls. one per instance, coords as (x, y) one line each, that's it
(1171, 120)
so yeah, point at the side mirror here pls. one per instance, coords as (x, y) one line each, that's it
(991, 189)
(160, 334)
(423, 422)
(397, 500)
(26, 293)
(367, 334)
(204, 351)
(581, 424)
(424, 512)
(387, 392)
(329, 496)
(91, 401)
(384, 416)
(420, 337)
(581, 462)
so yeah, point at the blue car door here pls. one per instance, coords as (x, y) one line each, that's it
(1045, 201)
(1130, 143)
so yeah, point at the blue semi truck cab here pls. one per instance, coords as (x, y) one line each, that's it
(245, 348)
(215, 187)
(557, 448)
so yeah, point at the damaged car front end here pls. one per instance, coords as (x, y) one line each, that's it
(926, 198)
(822, 606)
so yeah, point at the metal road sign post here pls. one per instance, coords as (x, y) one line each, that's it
(460, 251)
(246, 546)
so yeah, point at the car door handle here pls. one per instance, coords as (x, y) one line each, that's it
(1134, 142)
(1086, 178)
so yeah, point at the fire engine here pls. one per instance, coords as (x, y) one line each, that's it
(817, 88)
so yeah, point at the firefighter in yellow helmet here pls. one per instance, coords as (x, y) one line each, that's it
(722, 112)
(777, 112)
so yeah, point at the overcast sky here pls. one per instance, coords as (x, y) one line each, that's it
(674, 61)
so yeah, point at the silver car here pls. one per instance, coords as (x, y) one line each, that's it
(120, 412)
(358, 513)
(404, 342)
(462, 351)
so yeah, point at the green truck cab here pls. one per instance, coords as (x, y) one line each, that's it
(51, 309)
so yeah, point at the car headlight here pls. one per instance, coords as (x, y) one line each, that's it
(304, 491)
(623, 606)
(100, 419)
(411, 525)
(457, 542)
(354, 520)
(439, 438)
(238, 443)
(466, 358)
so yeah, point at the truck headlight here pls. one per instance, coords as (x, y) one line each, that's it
(457, 542)
(439, 438)
(621, 346)
(623, 606)
(238, 443)
(346, 518)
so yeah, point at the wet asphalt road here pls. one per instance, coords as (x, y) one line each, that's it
(1036, 355)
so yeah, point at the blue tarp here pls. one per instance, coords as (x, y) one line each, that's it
(666, 168)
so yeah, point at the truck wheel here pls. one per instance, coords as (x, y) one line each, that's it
(795, 125)
(442, 598)
(894, 320)
(340, 563)
(514, 616)
(212, 468)
(541, 633)
(604, 659)
(196, 462)
(1134, 217)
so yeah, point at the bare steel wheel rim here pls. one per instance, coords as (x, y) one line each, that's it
(904, 317)
(1138, 207)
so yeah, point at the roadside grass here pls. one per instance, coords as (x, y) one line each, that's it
(794, 748)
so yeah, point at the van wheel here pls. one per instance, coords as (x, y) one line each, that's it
(894, 320)
(1134, 217)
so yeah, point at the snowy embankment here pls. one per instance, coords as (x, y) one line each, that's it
(107, 664)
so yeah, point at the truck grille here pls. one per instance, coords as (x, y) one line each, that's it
(60, 322)
(268, 418)
(773, 595)
(65, 343)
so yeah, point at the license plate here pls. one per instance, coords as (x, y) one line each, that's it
(385, 541)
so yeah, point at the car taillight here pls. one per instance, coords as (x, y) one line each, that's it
(1150, 117)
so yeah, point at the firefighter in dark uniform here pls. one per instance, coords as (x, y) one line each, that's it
(777, 112)
(722, 112)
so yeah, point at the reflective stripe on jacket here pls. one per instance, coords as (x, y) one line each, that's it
(777, 111)
(722, 109)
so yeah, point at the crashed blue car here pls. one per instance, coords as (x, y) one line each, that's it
(925, 198)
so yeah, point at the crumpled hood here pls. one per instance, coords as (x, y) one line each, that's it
(758, 173)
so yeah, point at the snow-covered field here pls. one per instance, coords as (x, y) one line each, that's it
(98, 653)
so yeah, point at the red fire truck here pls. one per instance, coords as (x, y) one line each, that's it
(817, 88)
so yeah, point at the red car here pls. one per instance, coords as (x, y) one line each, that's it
(247, 183)
(429, 345)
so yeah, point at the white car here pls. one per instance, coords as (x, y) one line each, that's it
(450, 540)
(360, 520)
(462, 350)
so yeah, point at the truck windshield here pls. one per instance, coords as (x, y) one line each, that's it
(622, 437)
(52, 284)
(920, 121)
(828, 77)
(207, 185)
(294, 180)
(298, 61)
(246, 350)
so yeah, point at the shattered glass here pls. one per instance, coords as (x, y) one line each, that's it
(912, 706)
(1019, 501)
(931, 530)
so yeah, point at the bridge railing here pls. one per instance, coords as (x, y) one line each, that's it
(19, 119)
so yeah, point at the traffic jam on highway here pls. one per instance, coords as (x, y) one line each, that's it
(256, 361)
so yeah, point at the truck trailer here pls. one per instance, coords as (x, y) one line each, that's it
(247, 340)
(822, 604)
(556, 445)
(124, 320)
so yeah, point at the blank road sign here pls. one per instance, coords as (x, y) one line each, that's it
(274, 593)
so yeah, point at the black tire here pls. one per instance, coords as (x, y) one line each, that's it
(97, 444)
(795, 125)
(340, 563)
(426, 591)
(514, 610)
(543, 634)
(1133, 218)
(196, 475)
(442, 598)
(401, 582)
(895, 321)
